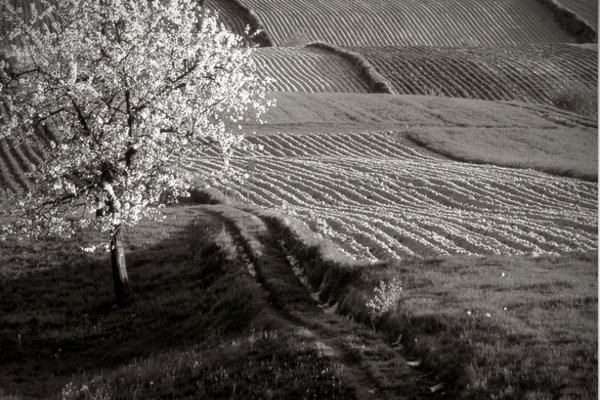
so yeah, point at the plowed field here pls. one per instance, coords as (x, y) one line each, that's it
(378, 195)
(531, 72)
(16, 160)
(308, 70)
(408, 22)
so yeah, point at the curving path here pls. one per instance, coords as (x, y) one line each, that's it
(368, 365)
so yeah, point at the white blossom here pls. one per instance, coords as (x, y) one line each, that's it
(133, 87)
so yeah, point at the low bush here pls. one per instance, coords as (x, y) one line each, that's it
(377, 83)
(577, 98)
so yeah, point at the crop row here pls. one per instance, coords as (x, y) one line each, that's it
(409, 22)
(531, 72)
(15, 161)
(308, 70)
(377, 195)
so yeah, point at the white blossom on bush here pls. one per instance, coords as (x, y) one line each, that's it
(385, 299)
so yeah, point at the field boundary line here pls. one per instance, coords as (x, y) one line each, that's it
(572, 22)
(262, 38)
(376, 82)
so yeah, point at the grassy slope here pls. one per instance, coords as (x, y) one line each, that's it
(532, 327)
(504, 134)
(508, 327)
(495, 327)
(200, 326)
(571, 153)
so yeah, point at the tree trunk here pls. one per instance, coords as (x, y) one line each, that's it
(119, 268)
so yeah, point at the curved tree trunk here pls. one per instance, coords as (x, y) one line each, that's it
(119, 268)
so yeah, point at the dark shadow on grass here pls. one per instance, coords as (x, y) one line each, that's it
(58, 322)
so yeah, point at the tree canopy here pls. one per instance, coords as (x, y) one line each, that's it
(132, 88)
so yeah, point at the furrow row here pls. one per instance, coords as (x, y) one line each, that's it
(409, 22)
(412, 204)
(303, 70)
(533, 73)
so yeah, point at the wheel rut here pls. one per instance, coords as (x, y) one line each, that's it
(371, 367)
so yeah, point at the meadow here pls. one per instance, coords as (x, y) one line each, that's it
(234, 301)
(417, 218)
(197, 314)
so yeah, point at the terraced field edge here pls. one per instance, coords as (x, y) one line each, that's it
(377, 83)
(297, 69)
(572, 22)
(262, 37)
(537, 73)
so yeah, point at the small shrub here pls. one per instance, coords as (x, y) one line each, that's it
(577, 98)
(434, 91)
(83, 392)
(385, 300)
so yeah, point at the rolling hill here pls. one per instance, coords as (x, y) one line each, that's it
(470, 158)
(308, 70)
(408, 22)
(531, 72)
(586, 9)
(377, 194)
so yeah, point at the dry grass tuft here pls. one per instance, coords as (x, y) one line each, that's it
(377, 83)
(578, 99)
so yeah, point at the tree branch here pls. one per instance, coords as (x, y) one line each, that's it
(82, 120)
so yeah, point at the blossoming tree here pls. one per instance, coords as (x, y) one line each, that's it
(132, 88)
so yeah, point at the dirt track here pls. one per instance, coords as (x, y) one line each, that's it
(371, 367)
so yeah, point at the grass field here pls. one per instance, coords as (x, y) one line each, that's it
(470, 327)
(511, 327)
(59, 332)
(560, 153)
